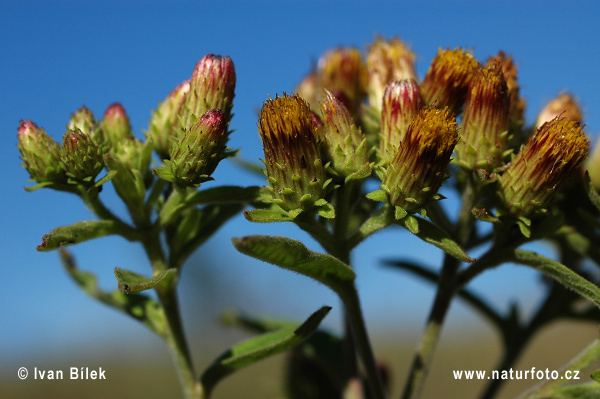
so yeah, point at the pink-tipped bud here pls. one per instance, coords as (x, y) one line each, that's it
(564, 105)
(40, 153)
(83, 119)
(163, 125)
(401, 103)
(212, 86)
(115, 125)
(80, 157)
(195, 156)
(387, 61)
(342, 71)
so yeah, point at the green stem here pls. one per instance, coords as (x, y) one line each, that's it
(178, 347)
(355, 318)
(447, 288)
(174, 334)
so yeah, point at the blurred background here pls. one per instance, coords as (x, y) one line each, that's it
(59, 55)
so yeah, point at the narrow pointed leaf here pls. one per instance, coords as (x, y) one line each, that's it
(559, 272)
(132, 283)
(107, 178)
(432, 234)
(76, 233)
(293, 255)
(260, 347)
(142, 308)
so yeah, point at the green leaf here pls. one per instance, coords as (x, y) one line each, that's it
(293, 255)
(432, 234)
(559, 272)
(76, 233)
(142, 308)
(596, 375)
(132, 283)
(258, 348)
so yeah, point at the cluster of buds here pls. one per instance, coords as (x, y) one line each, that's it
(190, 128)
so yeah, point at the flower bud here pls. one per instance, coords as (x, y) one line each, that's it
(419, 166)
(343, 72)
(564, 105)
(345, 145)
(162, 130)
(551, 155)
(83, 120)
(485, 121)
(212, 86)
(40, 153)
(80, 157)
(448, 78)
(517, 103)
(388, 61)
(310, 90)
(401, 103)
(129, 153)
(294, 168)
(115, 125)
(195, 156)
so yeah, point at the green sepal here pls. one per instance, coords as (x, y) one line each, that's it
(325, 209)
(360, 174)
(270, 215)
(411, 223)
(524, 225)
(259, 348)
(400, 213)
(107, 178)
(76, 233)
(591, 191)
(433, 234)
(164, 172)
(133, 283)
(38, 186)
(377, 195)
(293, 255)
(142, 308)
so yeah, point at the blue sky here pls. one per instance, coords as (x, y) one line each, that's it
(58, 56)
